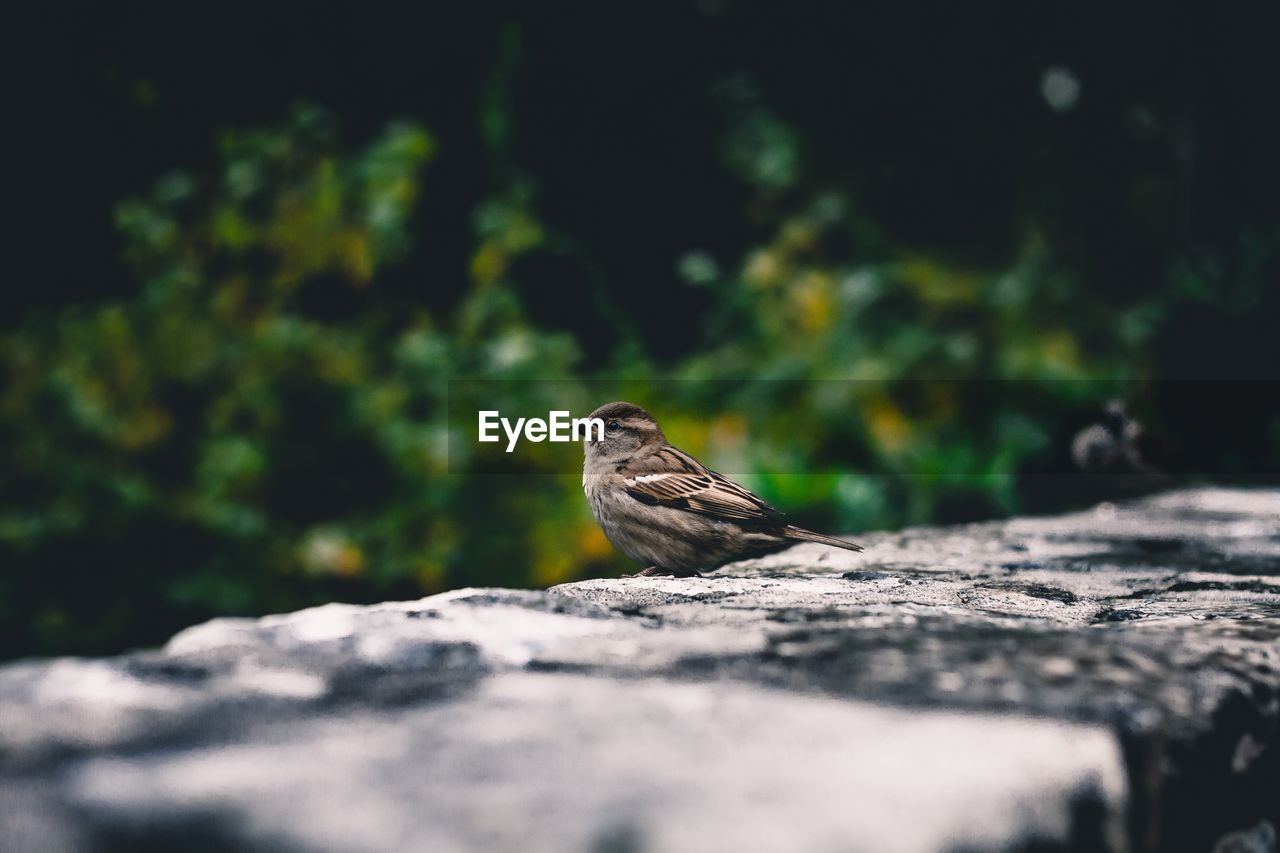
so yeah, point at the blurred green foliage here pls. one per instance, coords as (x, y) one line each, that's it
(261, 424)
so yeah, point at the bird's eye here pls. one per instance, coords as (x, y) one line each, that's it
(612, 426)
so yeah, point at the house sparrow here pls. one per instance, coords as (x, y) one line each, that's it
(661, 507)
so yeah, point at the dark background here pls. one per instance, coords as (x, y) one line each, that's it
(257, 240)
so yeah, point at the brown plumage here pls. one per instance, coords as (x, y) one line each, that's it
(661, 507)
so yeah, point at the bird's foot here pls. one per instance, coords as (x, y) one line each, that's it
(655, 572)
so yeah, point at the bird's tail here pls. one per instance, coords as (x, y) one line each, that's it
(799, 534)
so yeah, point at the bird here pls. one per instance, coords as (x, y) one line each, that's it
(666, 510)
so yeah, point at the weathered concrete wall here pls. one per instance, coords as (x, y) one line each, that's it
(1102, 681)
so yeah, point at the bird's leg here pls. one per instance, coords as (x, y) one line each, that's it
(656, 572)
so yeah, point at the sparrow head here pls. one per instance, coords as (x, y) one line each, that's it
(627, 429)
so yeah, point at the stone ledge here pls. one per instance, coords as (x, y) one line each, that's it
(1102, 680)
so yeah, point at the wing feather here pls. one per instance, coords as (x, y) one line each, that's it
(675, 479)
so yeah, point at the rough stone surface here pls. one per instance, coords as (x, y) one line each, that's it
(1108, 680)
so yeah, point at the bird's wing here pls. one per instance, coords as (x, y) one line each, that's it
(675, 479)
